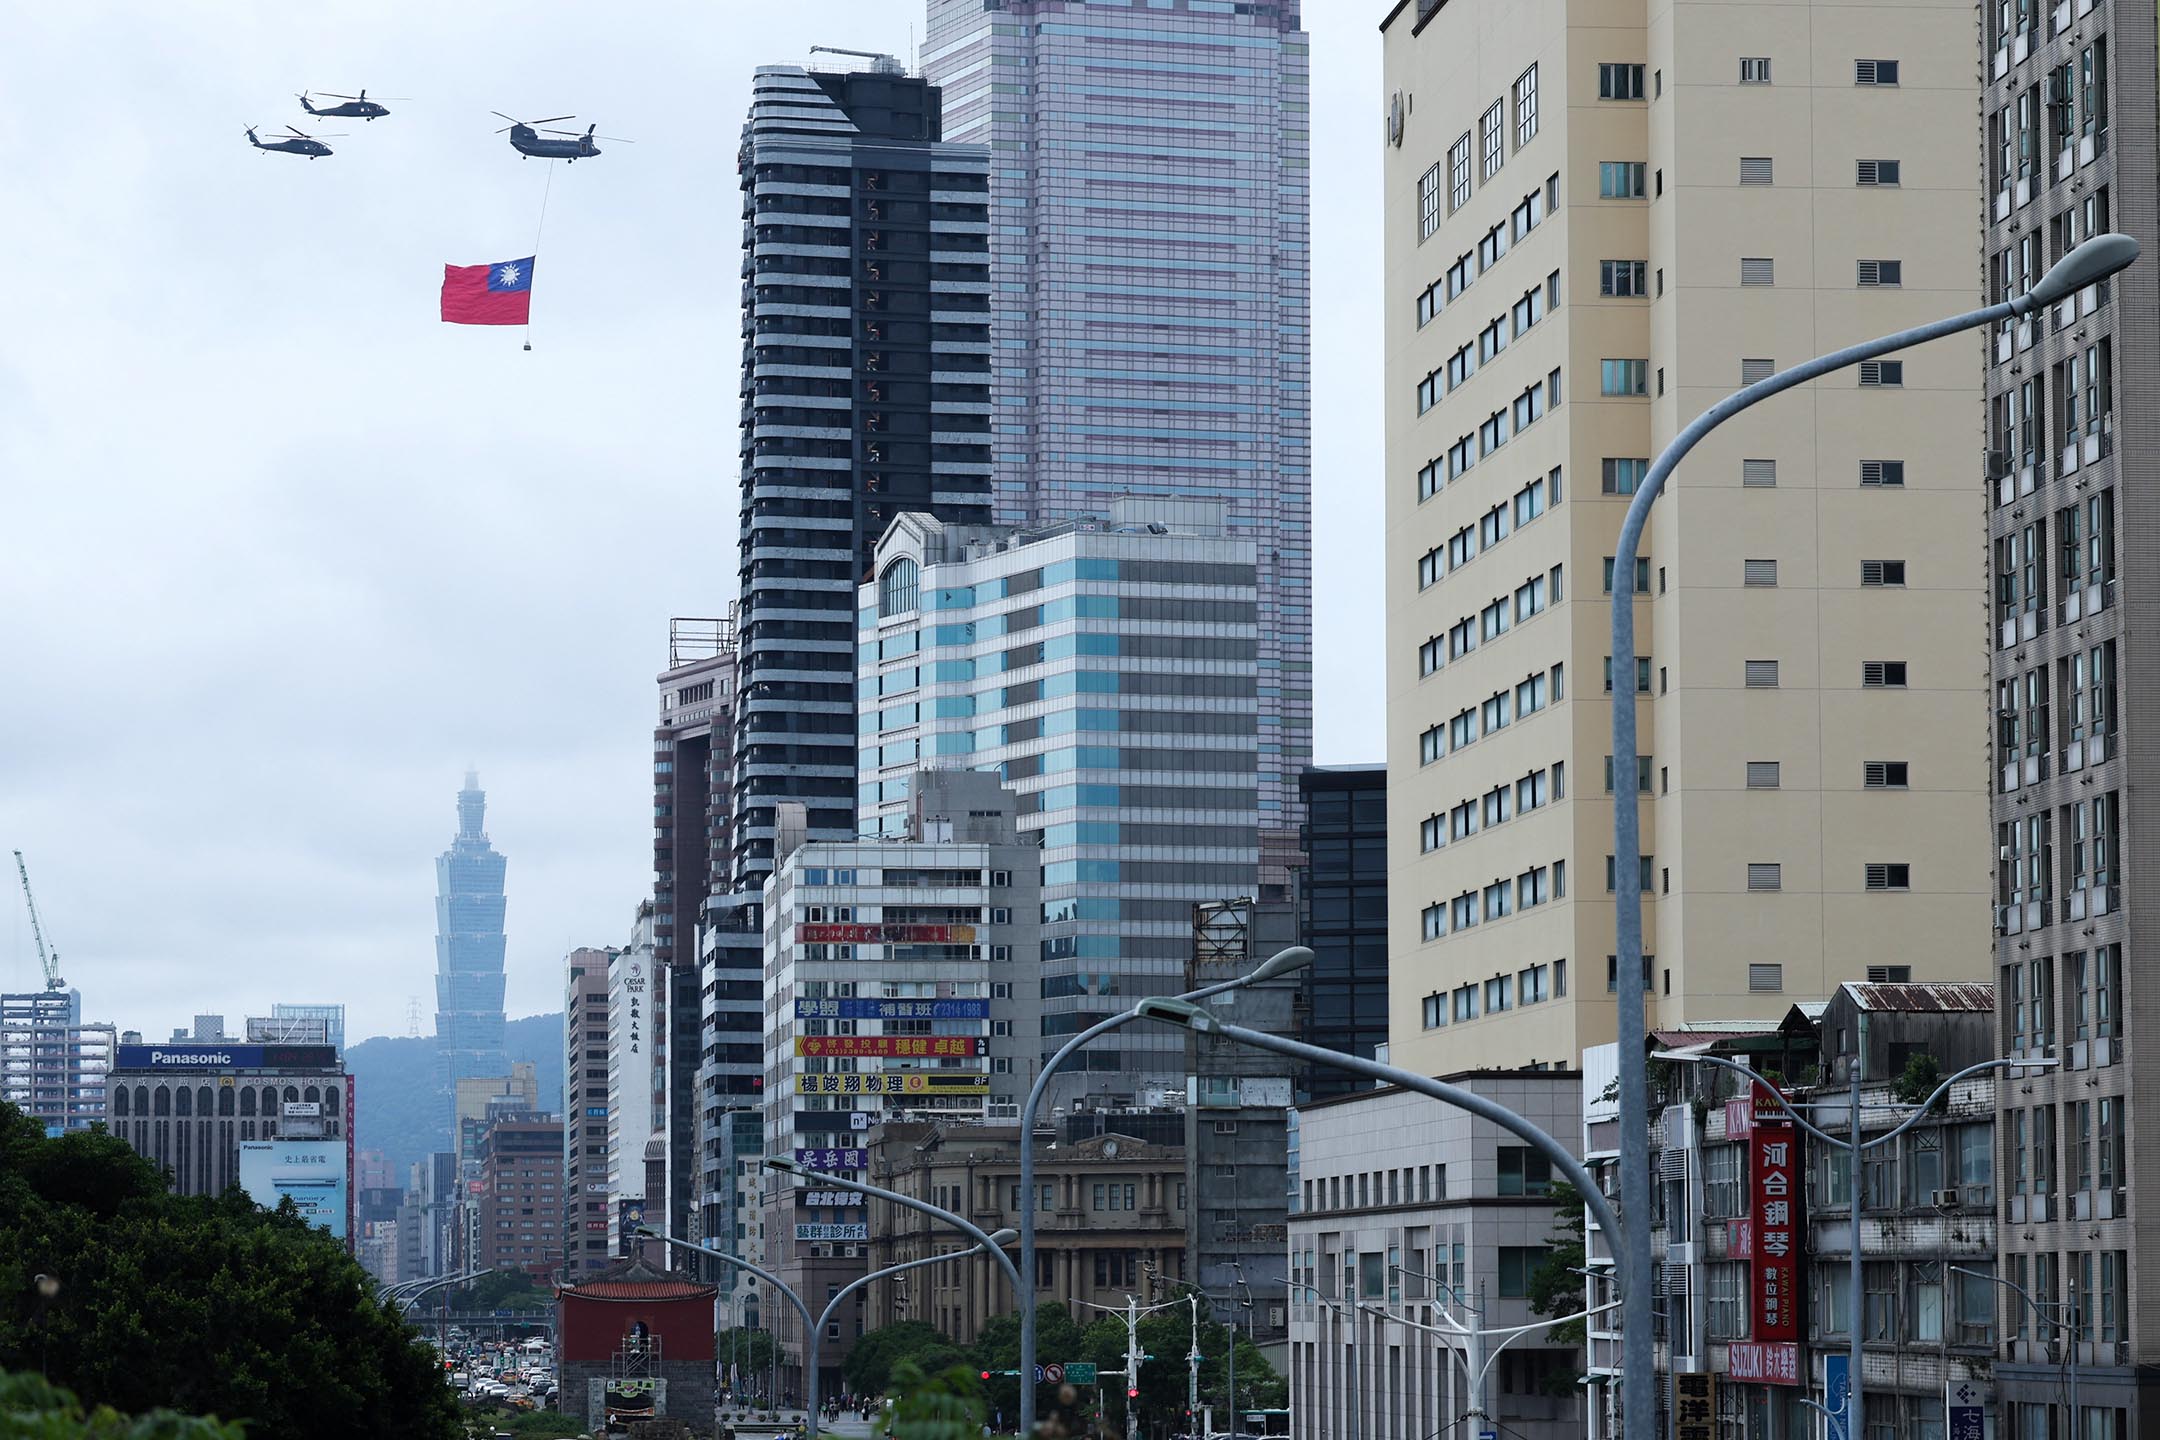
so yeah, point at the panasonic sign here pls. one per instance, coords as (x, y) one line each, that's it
(225, 1057)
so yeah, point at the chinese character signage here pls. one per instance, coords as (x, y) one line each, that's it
(1694, 1407)
(898, 1082)
(828, 1199)
(1774, 1213)
(1777, 1364)
(885, 934)
(833, 1162)
(850, 1231)
(311, 1173)
(908, 1046)
(892, 1009)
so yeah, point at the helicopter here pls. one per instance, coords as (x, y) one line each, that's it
(293, 143)
(356, 107)
(525, 139)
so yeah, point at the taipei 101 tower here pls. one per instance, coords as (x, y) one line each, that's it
(468, 952)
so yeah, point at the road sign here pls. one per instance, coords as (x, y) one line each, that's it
(1488, 1435)
(1965, 1406)
(1055, 1374)
(1079, 1372)
(1837, 1391)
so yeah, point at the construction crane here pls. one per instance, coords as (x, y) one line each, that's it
(49, 958)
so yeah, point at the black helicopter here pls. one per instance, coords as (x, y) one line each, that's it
(525, 139)
(293, 143)
(356, 107)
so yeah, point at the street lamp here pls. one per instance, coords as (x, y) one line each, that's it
(811, 1330)
(2040, 1308)
(1351, 1400)
(1853, 1146)
(1281, 963)
(1477, 1361)
(2089, 263)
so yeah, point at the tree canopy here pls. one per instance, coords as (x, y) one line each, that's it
(207, 1306)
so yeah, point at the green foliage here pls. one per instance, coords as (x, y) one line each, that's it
(870, 1365)
(209, 1306)
(750, 1351)
(31, 1409)
(945, 1406)
(997, 1347)
(1555, 1288)
(1923, 1072)
(1167, 1335)
(545, 1423)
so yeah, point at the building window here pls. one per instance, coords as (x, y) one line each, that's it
(1754, 70)
(1492, 139)
(1758, 573)
(1752, 371)
(1876, 172)
(896, 588)
(1619, 81)
(1882, 674)
(1619, 179)
(1525, 107)
(1762, 674)
(1758, 474)
(1621, 277)
(1755, 169)
(1762, 774)
(1623, 377)
(1620, 475)
(1875, 72)
(1524, 1171)
(1518, 1263)
(1765, 876)
(1889, 875)
(1435, 1011)
(1769, 979)
(1758, 270)
(1887, 474)
(1459, 172)
(1428, 203)
(1880, 272)
(1880, 573)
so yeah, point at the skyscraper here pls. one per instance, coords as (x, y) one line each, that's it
(52, 1063)
(866, 358)
(2068, 120)
(468, 953)
(1600, 220)
(1151, 259)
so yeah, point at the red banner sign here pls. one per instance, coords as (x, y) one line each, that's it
(1740, 1239)
(1769, 1364)
(1774, 1215)
(828, 934)
(1757, 1107)
(907, 1046)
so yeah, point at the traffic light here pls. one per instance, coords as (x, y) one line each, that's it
(986, 1375)
(1132, 1392)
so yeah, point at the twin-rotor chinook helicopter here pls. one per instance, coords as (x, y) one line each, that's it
(525, 139)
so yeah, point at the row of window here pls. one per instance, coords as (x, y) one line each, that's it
(1532, 694)
(1495, 807)
(2028, 871)
(2067, 110)
(1531, 985)
(1468, 266)
(1497, 901)
(1531, 307)
(1624, 81)
(1877, 875)
(2080, 1144)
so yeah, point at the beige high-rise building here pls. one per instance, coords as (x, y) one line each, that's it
(1601, 217)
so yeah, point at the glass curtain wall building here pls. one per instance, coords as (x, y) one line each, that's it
(1150, 199)
(1104, 670)
(468, 952)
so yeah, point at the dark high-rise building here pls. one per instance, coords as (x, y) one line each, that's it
(1346, 986)
(866, 393)
(585, 1111)
(468, 953)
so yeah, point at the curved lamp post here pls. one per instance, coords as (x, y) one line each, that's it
(1853, 1145)
(810, 1334)
(1281, 963)
(2090, 262)
(1477, 1360)
(2071, 1326)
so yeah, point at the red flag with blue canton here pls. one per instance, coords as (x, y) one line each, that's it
(497, 294)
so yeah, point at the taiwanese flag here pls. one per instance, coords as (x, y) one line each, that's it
(498, 294)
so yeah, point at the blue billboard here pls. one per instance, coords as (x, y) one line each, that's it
(225, 1057)
(892, 1009)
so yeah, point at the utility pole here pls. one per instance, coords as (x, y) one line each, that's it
(1192, 1378)
(1132, 1367)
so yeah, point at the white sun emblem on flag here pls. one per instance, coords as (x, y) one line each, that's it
(508, 275)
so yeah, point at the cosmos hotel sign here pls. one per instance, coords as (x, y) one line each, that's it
(225, 1057)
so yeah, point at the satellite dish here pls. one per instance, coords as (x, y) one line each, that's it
(1395, 119)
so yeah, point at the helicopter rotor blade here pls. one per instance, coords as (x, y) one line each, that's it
(335, 96)
(614, 139)
(548, 121)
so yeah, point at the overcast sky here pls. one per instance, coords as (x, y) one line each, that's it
(280, 554)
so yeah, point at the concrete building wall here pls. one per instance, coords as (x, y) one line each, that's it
(1392, 1179)
(1507, 480)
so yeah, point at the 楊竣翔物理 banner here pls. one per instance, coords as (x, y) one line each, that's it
(899, 1082)
(892, 1009)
